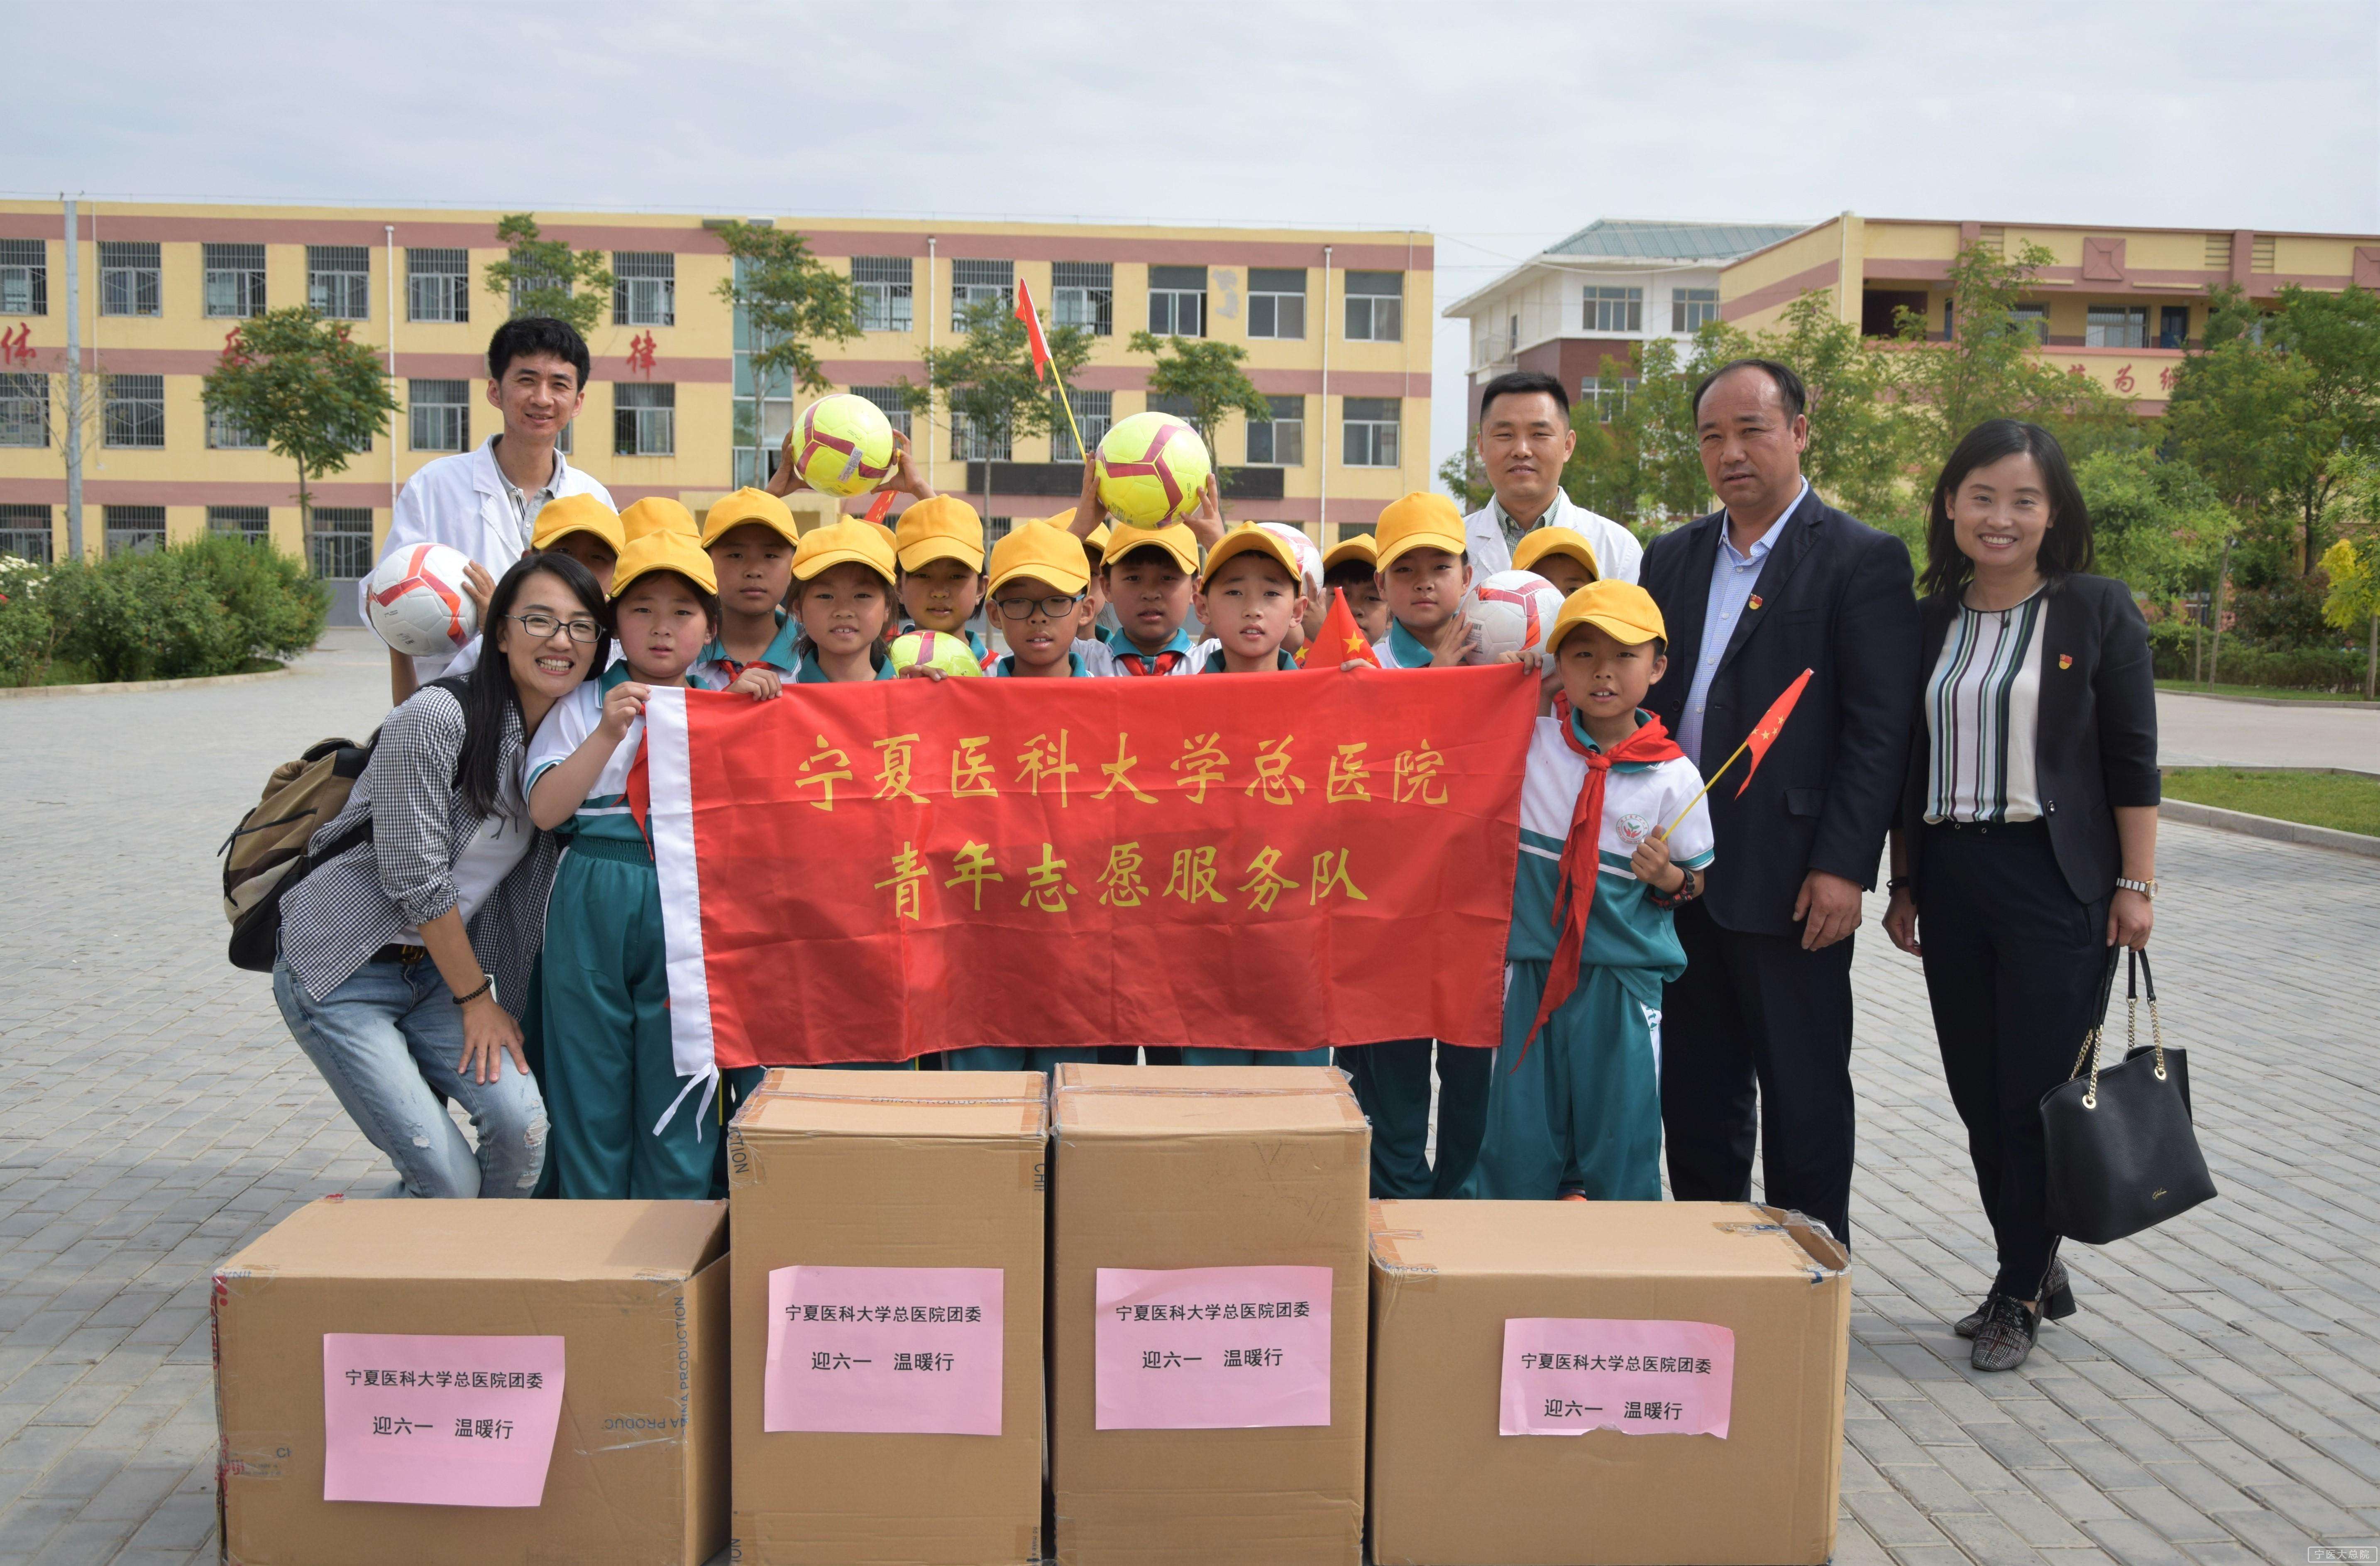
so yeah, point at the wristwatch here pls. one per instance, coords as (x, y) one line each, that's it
(2145, 888)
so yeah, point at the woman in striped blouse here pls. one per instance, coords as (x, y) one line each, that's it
(2027, 842)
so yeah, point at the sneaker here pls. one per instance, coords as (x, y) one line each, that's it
(2006, 1338)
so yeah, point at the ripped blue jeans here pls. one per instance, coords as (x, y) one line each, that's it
(387, 1042)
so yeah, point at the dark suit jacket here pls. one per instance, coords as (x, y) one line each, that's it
(2094, 747)
(1835, 596)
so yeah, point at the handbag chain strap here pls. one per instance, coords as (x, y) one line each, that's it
(2157, 1027)
(2088, 1056)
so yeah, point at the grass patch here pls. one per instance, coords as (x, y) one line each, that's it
(2315, 800)
(2191, 687)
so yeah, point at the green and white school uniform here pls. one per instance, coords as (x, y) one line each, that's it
(1580, 1109)
(625, 1124)
(813, 672)
(716, 671)
(1178, 656)
(1401, 648)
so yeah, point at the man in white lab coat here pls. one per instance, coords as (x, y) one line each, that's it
(1524, 438)
(485, 501)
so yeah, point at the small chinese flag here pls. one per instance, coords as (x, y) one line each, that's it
(1771, 724)
(1339, 636)
(1032, 319)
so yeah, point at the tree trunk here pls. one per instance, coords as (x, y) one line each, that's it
(305, 514)
(2372, 660)
(2215, 610)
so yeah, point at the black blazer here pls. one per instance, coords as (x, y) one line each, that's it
(2094, 746)
(1835, 596)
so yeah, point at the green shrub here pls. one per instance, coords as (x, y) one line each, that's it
(205, 607)
(29, 633)
(281, 607)
(2245, 663)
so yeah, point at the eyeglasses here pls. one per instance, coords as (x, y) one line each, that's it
(1026, 607)
(542, 626)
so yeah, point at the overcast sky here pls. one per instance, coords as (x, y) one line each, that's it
(1500, 127)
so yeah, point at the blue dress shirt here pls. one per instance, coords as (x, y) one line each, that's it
(1733, 576)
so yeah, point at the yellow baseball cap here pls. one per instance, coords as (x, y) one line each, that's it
(1539, 542)
(748, 504)
(1248, 536)
(1096, 540)
(1421, 520)
(861, 542)
(667, 549)
(1622, 609)
(1176, 539)
(1043, 552)
(657, 513)
(1355, 548)
(944, 528)
(557, 519)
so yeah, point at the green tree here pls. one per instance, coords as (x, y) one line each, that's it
(1859, 431)
(542, 276)
(1205, 374)
(2157, 523)
(987, 378)
(787, 300)
(300, 384)
(1465, 478)
(2274, 407)
(2354, 598)
(1641, 464)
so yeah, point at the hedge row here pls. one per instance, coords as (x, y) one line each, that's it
(2246, 663)
(205, 607)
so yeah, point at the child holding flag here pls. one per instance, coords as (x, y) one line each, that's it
(1614, 837)
(1352, 567)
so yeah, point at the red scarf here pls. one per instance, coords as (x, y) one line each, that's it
(1575, 897)
(1144, 664)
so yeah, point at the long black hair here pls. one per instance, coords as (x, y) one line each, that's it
(489, 698)
(2065, 548)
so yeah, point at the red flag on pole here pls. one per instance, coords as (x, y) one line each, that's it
(1764, 733)
(1340, 638)
(1032, 319)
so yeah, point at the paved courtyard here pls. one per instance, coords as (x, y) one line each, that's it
(2217, 1400)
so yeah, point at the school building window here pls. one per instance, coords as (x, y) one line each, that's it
(339, 281)
(1083, 294)
(133, 412)
(24, 411)
(888, 402)
(1607, 394)
(1693, 309)
(25, 531)
(1371, 431)
(996, 528)
(24, 277)
(2034, 316)
(1376, 307)
(1280, 441)
(338, 542)
(252, 524)
(969, 443)
(2116, 326)
(644, 420)
(881, 291)
(2173, 326)
(437, 285)
(977, 283)
(1177, 301)
(225, 433)
(134, 530)
(1276, 301)
(644, 289)
(129, 277)
(1613, 309)
(1095, 411)
(235, 280)
(439, 415)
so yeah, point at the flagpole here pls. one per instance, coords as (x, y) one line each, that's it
(1041, 357)
(1060, 382)
(1704, 789)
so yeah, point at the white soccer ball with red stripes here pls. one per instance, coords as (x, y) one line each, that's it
(1514, 610)
(417, 604)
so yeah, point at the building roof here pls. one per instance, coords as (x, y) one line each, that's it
(1635, 239)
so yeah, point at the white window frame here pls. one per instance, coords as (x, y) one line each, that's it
(447, 417)
(134, 408)
(1608, 394)
(1274, 312)
(1279, 442)
(883, 293)
(2131, 331)
(1180, 308)
(969, 444)
(1369, 440)
(339, 544)
(346, 287)
(1611, 309)
(224, 436)
(644, 289)
(1691, 309)
(28, 532)
(235, 281)
(977, 282)
(25, 410)
(644, 418)
(24, 277)
(1082, 294)
(434, 293)
(1374, 314)
(132, 277)
(1095, 411)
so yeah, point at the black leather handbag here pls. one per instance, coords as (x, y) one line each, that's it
(2122, 1153)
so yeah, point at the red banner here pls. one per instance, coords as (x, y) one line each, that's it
(871, 872)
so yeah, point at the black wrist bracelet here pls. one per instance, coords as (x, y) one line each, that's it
(487, 982)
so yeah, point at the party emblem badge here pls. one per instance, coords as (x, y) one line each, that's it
(1754, 602)
(2066, 661)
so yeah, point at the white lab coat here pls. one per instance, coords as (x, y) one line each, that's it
(459, 501)
(1616, 549)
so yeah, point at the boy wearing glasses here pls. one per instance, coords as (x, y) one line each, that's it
(1038, 574)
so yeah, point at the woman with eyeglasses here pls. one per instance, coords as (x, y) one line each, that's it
(406, 954)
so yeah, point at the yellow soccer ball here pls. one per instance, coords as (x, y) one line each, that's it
(843, 445)
(1152, 466)
(935, 649)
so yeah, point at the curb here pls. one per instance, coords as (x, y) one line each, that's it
(2266, 827)
(135, 687)
(2301, 703)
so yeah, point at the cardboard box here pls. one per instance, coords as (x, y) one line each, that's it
(1456, 1287)
(941, 1175)
(1166, 1169)
(628, 1298)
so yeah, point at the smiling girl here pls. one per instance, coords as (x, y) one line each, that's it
(842, 596)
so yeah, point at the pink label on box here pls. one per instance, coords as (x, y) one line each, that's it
(885, 1350)
(1213, 1348)
(1564, 1375)
(438, 1420)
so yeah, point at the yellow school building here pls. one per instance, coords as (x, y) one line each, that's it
(2119, 304)
(1335, 323)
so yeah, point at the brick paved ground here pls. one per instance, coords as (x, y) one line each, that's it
(2217, 1400)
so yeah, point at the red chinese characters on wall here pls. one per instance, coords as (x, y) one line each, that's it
(640, 353)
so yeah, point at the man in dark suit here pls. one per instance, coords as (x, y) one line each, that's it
(1777, 582)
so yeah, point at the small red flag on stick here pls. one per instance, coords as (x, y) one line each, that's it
(1340, 638)
(1764, 735)
(1041, 359)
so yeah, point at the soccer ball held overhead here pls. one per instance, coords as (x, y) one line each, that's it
(843, 445)
(1152, 466)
